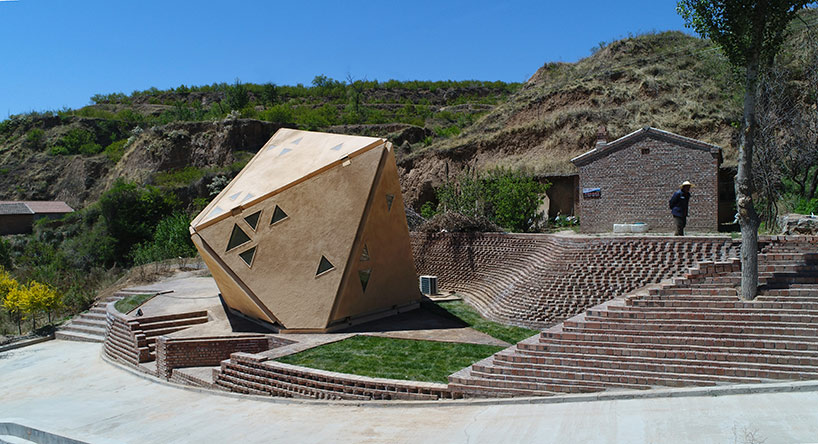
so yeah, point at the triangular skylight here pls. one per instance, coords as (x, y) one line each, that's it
(337, 147)
(235, 196)
(296, 141)
(216, 211)
(324, 266)
(389, 199)
(271, 147)
(238, 237)
(252, 220)
(284, 151)
(247, 256)
(365, 254)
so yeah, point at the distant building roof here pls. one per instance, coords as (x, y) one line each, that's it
(603, 149)
(10, 208)
(34, 207)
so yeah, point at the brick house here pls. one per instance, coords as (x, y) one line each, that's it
(632, 178)
(18, 217)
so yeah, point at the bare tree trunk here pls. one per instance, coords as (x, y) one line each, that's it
(814, 186)
(747, 216)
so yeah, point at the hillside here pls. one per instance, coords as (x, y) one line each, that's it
(182, 138)
(667, 80)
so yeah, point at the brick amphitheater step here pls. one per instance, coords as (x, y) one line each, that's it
(90, 326)
(537, 280)
(691, 332)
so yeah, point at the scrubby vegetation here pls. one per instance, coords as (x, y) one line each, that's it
(65, 262)
(477, 201)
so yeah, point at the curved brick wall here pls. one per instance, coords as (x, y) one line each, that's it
(258, 375)
(536, 280)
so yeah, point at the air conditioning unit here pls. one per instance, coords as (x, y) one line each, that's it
(428, 285)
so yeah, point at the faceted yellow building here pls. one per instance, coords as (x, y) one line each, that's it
(311, 235)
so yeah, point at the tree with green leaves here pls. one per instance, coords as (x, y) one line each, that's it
(750, 33)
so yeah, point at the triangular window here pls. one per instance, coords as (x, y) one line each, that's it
(278, 215)
(365, 254)
(284, 151)
(247, 256)
(337, 147)
(389, 199)
(238, 237)
(252, 220)
(363, 275)
(324, 266)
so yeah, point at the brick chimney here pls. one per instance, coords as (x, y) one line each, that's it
(601, 137)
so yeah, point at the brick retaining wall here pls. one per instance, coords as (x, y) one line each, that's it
(174, 353)
(538, 280)
(258, 375)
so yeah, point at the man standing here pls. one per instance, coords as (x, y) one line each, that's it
(678, 207)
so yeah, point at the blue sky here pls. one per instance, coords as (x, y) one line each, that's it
(58, 53)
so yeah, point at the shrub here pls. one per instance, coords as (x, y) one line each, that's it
(515, 199)
(171, 239)
(116, 150)
(507, 198)
(35, 138)
(5, 255)
(427, 210)
(181, 177)
(131, 212)
(280, 114)
(76, 141)
(58, 151)
(236, 96)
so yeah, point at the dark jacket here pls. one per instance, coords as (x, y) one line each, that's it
(678, 203)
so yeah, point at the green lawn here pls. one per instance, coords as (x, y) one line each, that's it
(392, 358)
(409, 359)
(128, 303)
(470, 316)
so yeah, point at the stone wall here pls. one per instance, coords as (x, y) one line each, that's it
(637, 181)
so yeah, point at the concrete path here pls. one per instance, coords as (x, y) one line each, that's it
(66, 388)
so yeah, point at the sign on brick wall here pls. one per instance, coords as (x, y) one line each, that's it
(592, 193)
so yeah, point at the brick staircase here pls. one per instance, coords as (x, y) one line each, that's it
(90, 325)
(693, 332)
(132, 340)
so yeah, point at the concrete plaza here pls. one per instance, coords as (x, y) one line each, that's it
(66, 388)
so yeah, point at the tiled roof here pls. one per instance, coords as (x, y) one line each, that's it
(624, 141)
(34, 207)
(9, 208)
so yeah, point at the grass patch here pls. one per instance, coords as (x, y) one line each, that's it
(508, 333)
(128, 303)
(392, 358)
